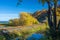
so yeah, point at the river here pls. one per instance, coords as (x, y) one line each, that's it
(34, 37)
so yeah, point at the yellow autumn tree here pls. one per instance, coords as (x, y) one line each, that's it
(14, 22)
(27, 19)
(11, 22)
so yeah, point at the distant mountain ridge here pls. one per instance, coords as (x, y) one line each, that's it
(42, 15)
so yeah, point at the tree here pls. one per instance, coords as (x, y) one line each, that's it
(52, 24)
(14, 22)
(52, 21)
(27, 19)
(11, 22)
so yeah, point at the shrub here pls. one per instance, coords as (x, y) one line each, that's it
(14, 22)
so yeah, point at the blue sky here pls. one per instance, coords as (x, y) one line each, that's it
(9, 10)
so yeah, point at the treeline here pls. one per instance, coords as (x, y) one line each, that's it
(25, 19)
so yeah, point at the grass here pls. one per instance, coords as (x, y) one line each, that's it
(2, 37)
(26, 31)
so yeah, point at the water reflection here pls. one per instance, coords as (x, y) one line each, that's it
(35, 37)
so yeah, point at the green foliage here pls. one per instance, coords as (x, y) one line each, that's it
(2, 37)
(14, 22)
(42, 1)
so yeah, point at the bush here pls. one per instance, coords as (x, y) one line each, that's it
(14, 22)
(2, 37)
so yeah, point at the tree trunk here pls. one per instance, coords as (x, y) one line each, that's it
(55, 21)
(49, 15)
(54, 16)
(53, 24)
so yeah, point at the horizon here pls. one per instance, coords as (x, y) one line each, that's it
(9, 9)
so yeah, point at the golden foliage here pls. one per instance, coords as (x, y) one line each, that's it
(14, 22)
(24, 19)
(27, 19)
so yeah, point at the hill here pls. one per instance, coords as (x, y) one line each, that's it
(41, 16)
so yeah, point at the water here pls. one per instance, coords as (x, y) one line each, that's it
(34, 37)
(3, 22)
